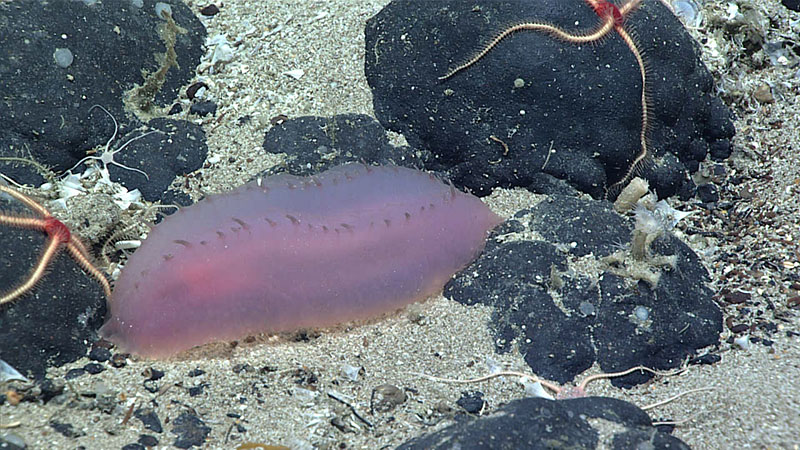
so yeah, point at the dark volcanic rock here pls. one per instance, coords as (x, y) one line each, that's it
(618, 321)
(190, 431)
(314, 144)
(149, 419)
(47, 116)
(535, 423)
(535, 92)
(46, 110)
(52, 324)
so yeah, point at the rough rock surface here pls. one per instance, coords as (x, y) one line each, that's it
(534, 93)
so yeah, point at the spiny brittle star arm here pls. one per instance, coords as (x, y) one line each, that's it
(558, 33)
(58, 235)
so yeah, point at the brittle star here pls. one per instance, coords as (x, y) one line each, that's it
(568, 392)
(613, 18)
(107, 155)
(58, 237)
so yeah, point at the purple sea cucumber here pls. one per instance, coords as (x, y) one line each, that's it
(350, 243)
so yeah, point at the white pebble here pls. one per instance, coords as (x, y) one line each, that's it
(641, 313)
(162, 8)
(63, 57)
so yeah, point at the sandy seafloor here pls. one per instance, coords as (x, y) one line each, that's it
(755, 402)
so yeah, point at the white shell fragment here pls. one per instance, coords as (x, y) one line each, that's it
(128, 244)
(296, 73)
(222, 50)
(8, 373)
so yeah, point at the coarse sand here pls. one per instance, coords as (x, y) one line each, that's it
(306, 57)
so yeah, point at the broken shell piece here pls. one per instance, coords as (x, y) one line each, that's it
(295, 73)
(688, 11)
(8, 373)
(128, 244)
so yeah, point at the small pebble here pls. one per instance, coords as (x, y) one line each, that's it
(740, 328)
(241, 367)
(705, 360)
(94, 368)
(202, 109)
(472, 402)
(63, 57)
(192, 90)
(386, 396)
(176, 109)
(190, 431)
(641, 313)
(50, 388)
(196, 372)
(119, 360)
(99, 354)
(74, 373)
(708, 193)
(147, 440)
(194, 391)
(350, 372)
(149, 419)
(210, 10)
(153, 374)
(763, 94)
(13, 397)
(736, 297)
(586, 308)
(135, 446)
(66, 429)
(11, 441)
(162, 8)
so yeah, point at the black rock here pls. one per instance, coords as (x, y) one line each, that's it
(66, 429)
(94, 368)
(314, 144)
(52, 323)
(472, 402)
(194, 391)
(204, 108)
(534, 92)
(210, 10)
(75, 373)
(177, 147)
(153, 374)
(99, 354)
(191, 431)
(47, 108)
(594, 321)
(147, 440)
(794, 5)
(535, 423)
(136, 446)
(50, 388)
(48, 111)
(149, 419)
(708, 193)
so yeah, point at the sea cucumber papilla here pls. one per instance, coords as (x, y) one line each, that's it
(291, 252)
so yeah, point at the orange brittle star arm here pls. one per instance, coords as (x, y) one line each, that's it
(58, 235)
